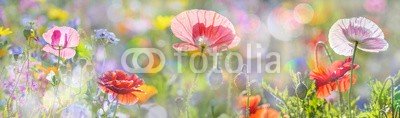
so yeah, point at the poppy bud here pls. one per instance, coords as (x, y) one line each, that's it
(301, 90)
(29, 34)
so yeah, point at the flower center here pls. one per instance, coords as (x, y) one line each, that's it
(202, 43)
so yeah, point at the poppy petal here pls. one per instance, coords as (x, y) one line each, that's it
(265, 112)
(55, 37)
(66, 53)
(48, 36)
(127, 99)
(253, 102)
(337, 39)
(345, 32)
(373, 45)
(63, 36)
(184, 47)
(217, 29)
(146, 92)
(71, 35)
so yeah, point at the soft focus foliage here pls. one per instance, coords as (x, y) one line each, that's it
(293, 58)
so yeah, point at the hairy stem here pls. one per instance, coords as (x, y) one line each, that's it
(248, 92)
(351, 77)
(331, 61)
(116, 109)
(190, 91)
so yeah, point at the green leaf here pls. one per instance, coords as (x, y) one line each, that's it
(84, 51)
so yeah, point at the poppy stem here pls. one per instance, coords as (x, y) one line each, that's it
(139, 111)
(248, 97)
(58, 59)
(340, 97)
(391, 95)
(229, 90)
(27, 58)
(331, 60)
(392, 98)
(190, 91)
(9, 101)
(327, 53)
(229, 96)
(351, 78)
(316, 55)
(116, 109)
(320, 43)
(59, 65)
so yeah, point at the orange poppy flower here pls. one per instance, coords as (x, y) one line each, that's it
(326, 78)
(121, 86)
(146, 93)
(262, 111)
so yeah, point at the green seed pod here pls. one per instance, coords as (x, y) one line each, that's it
(29, 34)
(301, 90)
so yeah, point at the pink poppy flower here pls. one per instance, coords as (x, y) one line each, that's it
(202, 30)
(346, 32)
(375, 6)
(60, 41)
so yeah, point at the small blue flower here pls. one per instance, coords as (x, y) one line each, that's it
(15, 50)
(106, 36)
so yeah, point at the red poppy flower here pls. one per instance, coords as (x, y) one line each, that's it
(327, 79)
(262, 111)
(121, 86)
(202, 30)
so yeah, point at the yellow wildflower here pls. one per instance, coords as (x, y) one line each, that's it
(162, 22)
(5, 31)
(3, 52)
(47, 70)
(57, 14)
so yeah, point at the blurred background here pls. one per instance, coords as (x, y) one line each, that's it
(288, 27)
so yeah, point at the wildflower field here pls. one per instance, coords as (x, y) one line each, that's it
(200, 58)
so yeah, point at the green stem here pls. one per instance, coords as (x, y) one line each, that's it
(340, 98)
(229, 97)
(16, 84)
(351, 78)
(392, 98)
(27, 56)
(190, 91)
(248, 97)
(391, 95)
(116, 109)
(331, 60)
(212, 111)
(326, 51)
(102, 103)
(58, 62)
(337, 82)
(299, 113)
(139, 111)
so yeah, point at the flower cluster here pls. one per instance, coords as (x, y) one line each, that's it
(54, 64)
(105, 37)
